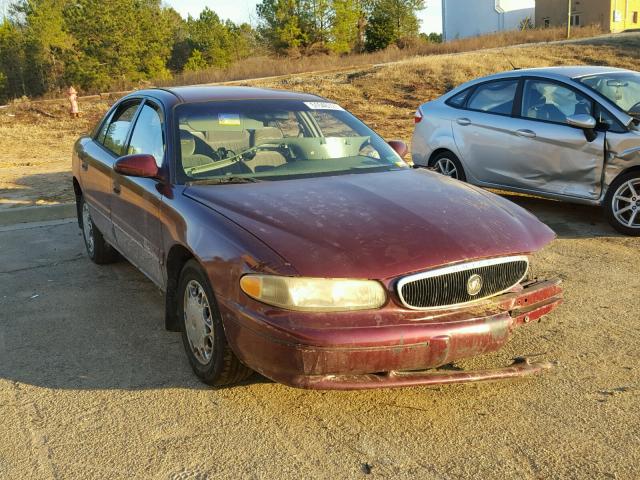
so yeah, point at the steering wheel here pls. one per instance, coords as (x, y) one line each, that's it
(225, 162)
(635, 110)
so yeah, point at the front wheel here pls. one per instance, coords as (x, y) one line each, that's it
(622, 204)
(205, 343)
(446, 163)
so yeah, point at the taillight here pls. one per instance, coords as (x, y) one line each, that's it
(418, 116)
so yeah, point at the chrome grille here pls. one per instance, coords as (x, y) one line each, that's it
(448, 286)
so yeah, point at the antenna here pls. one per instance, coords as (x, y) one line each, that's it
(509, 60)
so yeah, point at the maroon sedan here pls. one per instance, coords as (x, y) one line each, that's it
(290, 239)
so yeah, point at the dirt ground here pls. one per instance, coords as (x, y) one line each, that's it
(92, 386)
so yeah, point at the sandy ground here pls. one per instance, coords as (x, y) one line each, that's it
(91, 386)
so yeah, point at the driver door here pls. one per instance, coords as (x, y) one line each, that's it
(135, 209)
(547, 154)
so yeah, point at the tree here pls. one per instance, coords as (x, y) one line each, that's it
(11, 61)
(348, 25)
(392, 20)
(283, 24)
(196, 62)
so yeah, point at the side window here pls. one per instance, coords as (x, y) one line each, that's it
(457, 101)
(494, 97)
(116, 134)
(103, 129)
(542, 100)
(604, 117)
(147, 134)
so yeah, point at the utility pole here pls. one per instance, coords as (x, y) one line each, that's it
(569, 20)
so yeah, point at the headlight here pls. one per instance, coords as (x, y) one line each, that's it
(314, 294)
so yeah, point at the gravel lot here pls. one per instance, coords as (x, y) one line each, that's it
(91, 386)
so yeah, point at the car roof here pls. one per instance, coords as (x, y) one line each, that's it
(198, 94)
(568, 71)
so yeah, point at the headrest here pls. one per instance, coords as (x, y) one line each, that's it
(187, 143)
(267, 133)
(203, 124)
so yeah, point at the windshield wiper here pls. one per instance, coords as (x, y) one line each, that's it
(223, 180)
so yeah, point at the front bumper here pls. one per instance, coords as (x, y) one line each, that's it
(388, 355)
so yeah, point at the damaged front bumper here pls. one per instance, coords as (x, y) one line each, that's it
(385, 356)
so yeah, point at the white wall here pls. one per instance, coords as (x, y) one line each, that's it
(469, 18)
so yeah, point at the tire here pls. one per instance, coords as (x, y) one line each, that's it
(445, 162)
(622, 204)
(203, 337)
(98, 249)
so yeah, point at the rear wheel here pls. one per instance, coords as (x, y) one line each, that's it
(446, 163)
(205, 343)
(98, 249)
(622, 204)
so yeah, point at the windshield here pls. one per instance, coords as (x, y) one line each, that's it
(253, 140)
(622, 88)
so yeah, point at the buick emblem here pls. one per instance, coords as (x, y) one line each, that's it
(474, 285)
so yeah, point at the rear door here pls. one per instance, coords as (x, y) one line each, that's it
(546, 153)
(136, 203)
(96, 164)
(483, 130)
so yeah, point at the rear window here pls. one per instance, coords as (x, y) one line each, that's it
(459, 99)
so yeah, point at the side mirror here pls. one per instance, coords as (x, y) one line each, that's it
(586, 122)
(138, 165)
(400, 147)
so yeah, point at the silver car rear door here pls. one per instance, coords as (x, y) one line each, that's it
(483, 131)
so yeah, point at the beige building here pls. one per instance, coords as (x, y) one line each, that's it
(611, 15)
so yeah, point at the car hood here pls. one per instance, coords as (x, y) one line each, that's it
(376, 225)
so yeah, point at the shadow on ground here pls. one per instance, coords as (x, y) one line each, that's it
(34, 189)
(566, 219)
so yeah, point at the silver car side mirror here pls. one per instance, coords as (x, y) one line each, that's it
(586, 122)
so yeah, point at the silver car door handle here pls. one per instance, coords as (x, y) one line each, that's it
(463, 121)
(526, 133)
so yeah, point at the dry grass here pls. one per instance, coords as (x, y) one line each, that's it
(35, 149)
(272, 66)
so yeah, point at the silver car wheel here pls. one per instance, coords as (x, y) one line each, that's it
(198, 322)
(87, 229)
(445, 166)
(626, 204)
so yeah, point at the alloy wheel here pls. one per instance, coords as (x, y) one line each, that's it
(198, 322)
(445, 166)
(626, 204)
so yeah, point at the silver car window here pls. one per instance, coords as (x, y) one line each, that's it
(552, 102)
(494, 97)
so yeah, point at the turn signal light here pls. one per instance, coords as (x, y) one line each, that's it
(418, 116)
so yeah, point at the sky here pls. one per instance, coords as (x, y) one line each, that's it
(245, 11)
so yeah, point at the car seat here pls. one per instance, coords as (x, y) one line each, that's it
(188, 144)
(266, 159)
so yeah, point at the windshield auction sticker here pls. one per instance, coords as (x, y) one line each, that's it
(323, 106)
(229, 119)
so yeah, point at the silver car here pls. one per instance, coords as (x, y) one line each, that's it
(566, 133)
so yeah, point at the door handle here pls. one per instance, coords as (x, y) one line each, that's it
(526, 133)
(463, 121)
(85, 166)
